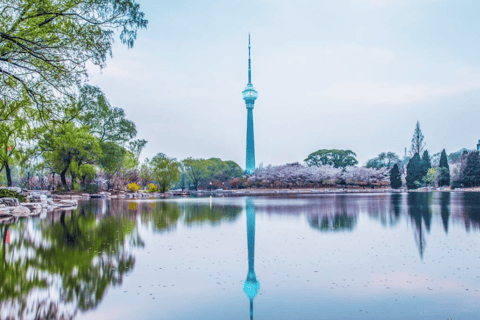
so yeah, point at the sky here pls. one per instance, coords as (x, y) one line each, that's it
(345, 74)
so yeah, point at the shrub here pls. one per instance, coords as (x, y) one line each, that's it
(152, 188)
(91, 188)
(457, 184)
(133, 187)
(5, 193)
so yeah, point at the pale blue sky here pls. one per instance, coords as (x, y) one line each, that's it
(352, 74)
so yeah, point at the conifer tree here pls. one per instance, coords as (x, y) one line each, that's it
(471, 173)
(444, 179)
(414, 172)
(395, 177)
(417, 141)
(426, 163)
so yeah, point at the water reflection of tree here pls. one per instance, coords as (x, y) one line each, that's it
(64, 266)
(445, 209)
(339, 214)
(469, 210)
(196, 214)
(162, 216)
(337, 222)
(419, 208)
(386, 208)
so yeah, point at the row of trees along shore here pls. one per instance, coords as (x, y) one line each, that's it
(338, 168)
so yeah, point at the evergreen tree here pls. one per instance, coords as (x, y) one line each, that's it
(417, 141)
(414, 172)
(471, 173)
(426, 163)
(444, 179)
(395, 177)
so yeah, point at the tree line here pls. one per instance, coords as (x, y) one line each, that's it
(460, 169)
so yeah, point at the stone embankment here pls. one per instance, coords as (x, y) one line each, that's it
(38, 204)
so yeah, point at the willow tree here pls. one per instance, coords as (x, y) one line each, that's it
(165, 171)
(68, 148)
(45, 45)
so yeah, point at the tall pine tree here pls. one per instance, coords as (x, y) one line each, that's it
(395, 177)
(444, 179)
(414, 172)
(426, 163)
(417, 141)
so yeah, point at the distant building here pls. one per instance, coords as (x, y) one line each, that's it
(478, 145)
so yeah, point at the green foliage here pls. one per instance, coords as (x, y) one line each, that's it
(383, 160)
(70, 145)
(444, 179)
(91, 188)
(107, 123)
(333, 157)
(414, 172)
(14, 131)
(471, 172)
(87, 171)
(46, 44)
(395, 177)
(5, 193)
(202, 171)
(426, 163)
(165, 171)
(432, 176)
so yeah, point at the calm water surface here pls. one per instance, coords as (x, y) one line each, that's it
(376, 256)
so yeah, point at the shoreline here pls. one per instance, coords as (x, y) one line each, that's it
(244, 192)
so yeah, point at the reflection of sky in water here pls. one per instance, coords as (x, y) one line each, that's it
(378, 256)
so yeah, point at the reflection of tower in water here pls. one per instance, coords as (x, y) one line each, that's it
(251, 285)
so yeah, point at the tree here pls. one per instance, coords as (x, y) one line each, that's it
(414, 172)
(395, 177)
(14, 131)
(46, 44)
(417, 141)
(333, 157)
(432, 176)
(165, 171)
(444, 179)
(426, 163)
(471, 172)
(196, 170)
(70, 145)
(383, 160)
(107, 123)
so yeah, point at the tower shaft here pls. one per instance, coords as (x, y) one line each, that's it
(250, 159)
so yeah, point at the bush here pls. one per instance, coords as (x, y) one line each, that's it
(457, 184)
(133, 187)
(91, 188)
(152, 188)
(5, 193)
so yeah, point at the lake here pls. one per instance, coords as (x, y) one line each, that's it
(344, 256)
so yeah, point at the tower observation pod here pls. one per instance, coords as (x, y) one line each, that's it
(250, 95)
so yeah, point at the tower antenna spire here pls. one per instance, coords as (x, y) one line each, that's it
(249, 63)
